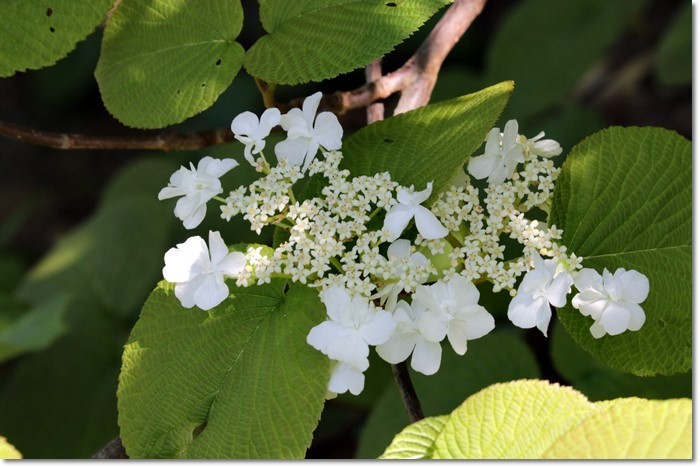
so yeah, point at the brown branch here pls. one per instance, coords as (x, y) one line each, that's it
(415, 80)
(112, 450)
(162, 142)
(408, 393)
(373, 72)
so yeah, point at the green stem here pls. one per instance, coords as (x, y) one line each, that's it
(338, 266)
(220, 199)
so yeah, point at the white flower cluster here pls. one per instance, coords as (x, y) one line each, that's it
(382, 285)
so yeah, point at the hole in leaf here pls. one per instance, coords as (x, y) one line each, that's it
(388, 140)
(178, 91)
(198, 430)
(218, 62)
(52, 29)
(662, 323)
(49, 11)
(391, 4)
(203, 85)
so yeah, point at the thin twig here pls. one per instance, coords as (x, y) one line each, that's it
(112, 450)
(162, 142)
(408, 393)
(415, 80)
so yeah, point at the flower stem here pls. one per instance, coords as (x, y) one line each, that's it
(375, 212)
(408, 393)
(220, 199)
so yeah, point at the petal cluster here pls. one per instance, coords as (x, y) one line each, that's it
(198, 271)
(196, 186)
(541, 287)
(306, 131)
(612, 300)
(252, 132)
(408, 208)
(501, 156)
(353, 325)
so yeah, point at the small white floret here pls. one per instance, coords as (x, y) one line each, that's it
(409, 207)
(612, 300)
(306, 131)
(252, 132)
(196, 186)
(198, 272)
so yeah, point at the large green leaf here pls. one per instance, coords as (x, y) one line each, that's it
(674, 57)
(8, 451)
(624, 199)
(545, 47)
(35, 34)
(429, 143)
(630, 429)
(536, 419)
(312, 40)
(238, 381)
(500, 356)
(35, 329)
(163, 61)
(600, 382)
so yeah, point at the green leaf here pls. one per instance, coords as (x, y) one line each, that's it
(631, 429)
(674, 57)
(418, 440)
(624, 199)
(163, 62)
(533, 419)
(429, 143)
(237, 381)
(312, 40)
(545, 47)
(599, 382)
(499, 356)
(8, 451)
(35, 329)
(36, 34)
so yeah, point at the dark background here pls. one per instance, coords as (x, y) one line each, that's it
(45, 193)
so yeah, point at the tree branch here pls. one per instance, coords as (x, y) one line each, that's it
(408, 393)
(415, 80)
(112, 450)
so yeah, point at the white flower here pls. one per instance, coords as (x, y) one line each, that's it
(353, 326)
(198, 271)
(612, 300)
(502, 154)
(304, 135)
(408, 207)
(408, 338)
(544, 148)
(541, 287)
(197, 187)
(251, 132)
(345, 378)
(452, 311)
(406, 267)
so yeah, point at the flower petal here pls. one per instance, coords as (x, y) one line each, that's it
(217, 247)
(245, 123)
(292, 150)
(559, 289)
(399, 249)
(426, 357)
(510, 134)
(216, 167)
(322, 336)
(310, 106)
(476, 325)
(397, 219)
(615, 319)
(421, 196)
(196, 218)
(379, 328)
(481, 167)
(269, 119)
(635, 286)
(232, 264)
(637, 316)
(211, 292)
(433, 325)
(428, 224)
(398, 348)
(327, 131)
(345, 378)
(182, 263)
